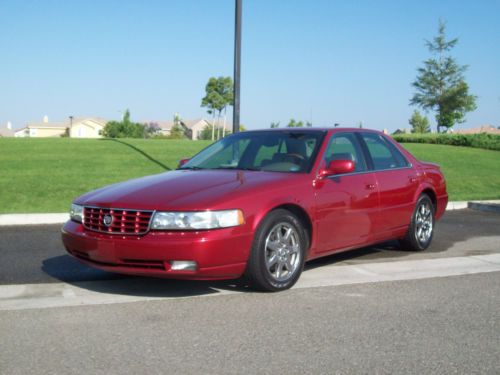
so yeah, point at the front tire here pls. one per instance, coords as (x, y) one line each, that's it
(421, 229)
(278, 251)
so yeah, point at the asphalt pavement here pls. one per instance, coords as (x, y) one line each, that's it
(434, 326)
(431, 325)
(35, 254)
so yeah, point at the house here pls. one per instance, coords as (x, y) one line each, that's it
(488, 129)
(6, 131)
(400, 131)
(84, 127)
(42, 129)
(192, 128)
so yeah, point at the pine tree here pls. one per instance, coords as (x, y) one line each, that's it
(440, 84)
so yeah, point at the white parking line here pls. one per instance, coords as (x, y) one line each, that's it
(34, 296)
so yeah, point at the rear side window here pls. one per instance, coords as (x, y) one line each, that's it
(345, 146)
(384, 155)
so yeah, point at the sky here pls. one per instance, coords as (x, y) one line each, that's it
(323, 61)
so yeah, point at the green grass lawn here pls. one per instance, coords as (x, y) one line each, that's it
(45, 175)
(471, 173)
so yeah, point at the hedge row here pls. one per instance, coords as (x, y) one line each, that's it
(483, 140)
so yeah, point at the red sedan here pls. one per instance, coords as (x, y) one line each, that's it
(260, 204)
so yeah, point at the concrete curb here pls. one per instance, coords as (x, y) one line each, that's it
(487, 206)
(458, 205)
(33, 219)
(39, 219)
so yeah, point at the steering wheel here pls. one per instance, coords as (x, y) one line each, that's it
(299, 157)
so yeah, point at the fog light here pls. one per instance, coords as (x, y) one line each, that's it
(183, 265)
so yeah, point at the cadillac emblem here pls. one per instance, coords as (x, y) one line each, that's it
(107, 220)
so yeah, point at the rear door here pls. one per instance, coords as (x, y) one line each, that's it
(397, 182)
(346, 205)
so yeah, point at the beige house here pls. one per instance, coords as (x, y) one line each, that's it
(87, 127)
(41, 130)
(192, 128)
(489, 129)
(197, 126)
(84, 127)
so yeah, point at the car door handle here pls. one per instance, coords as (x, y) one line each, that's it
(370, 186)
(412, 179)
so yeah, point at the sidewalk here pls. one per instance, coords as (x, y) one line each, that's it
(60, 218)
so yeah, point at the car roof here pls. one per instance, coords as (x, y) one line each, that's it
(313, 129)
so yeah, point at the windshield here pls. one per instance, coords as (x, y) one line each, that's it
(276, 151)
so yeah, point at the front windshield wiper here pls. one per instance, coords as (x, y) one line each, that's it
(193, 168)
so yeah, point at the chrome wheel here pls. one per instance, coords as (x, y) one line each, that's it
(282, 252)
(423, 222)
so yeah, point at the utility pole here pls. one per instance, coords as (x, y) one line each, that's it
(70, 125)
(237, 66)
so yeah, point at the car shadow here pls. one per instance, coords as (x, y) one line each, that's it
(146, 155)
(67, 269)
(376, 253)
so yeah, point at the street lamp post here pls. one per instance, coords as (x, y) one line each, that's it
(237, 66)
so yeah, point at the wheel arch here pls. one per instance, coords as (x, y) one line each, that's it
(431, 194)
(298, 211)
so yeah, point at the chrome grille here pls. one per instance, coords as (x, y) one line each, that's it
(121, 222)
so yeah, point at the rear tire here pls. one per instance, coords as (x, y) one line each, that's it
(278, 251)
(421, 229)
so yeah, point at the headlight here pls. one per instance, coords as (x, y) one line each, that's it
(76, 213)
(197, 220)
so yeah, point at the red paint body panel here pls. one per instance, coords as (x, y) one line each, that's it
(344, 211)
(347, 205)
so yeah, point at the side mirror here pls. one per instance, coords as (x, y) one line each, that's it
(182, 162)
(336, 167)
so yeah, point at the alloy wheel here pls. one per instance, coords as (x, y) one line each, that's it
(282, 252)
(423, 222)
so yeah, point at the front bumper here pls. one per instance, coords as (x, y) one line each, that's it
(219, 254)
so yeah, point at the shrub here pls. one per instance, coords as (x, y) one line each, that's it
(482, 140)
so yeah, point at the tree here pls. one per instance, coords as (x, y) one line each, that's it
(151, 129)
(124, 128)
(275, 125)
(218, 95)
(440, 84)
(419, 123)
(206, 133)
(295, 124)
(177, 130)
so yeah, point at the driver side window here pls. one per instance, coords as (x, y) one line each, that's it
(344, 146)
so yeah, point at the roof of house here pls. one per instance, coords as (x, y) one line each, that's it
(98, 120)
(46, 125)
(190, 123)
(490, 129)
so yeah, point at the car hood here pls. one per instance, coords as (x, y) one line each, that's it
(186, 189)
